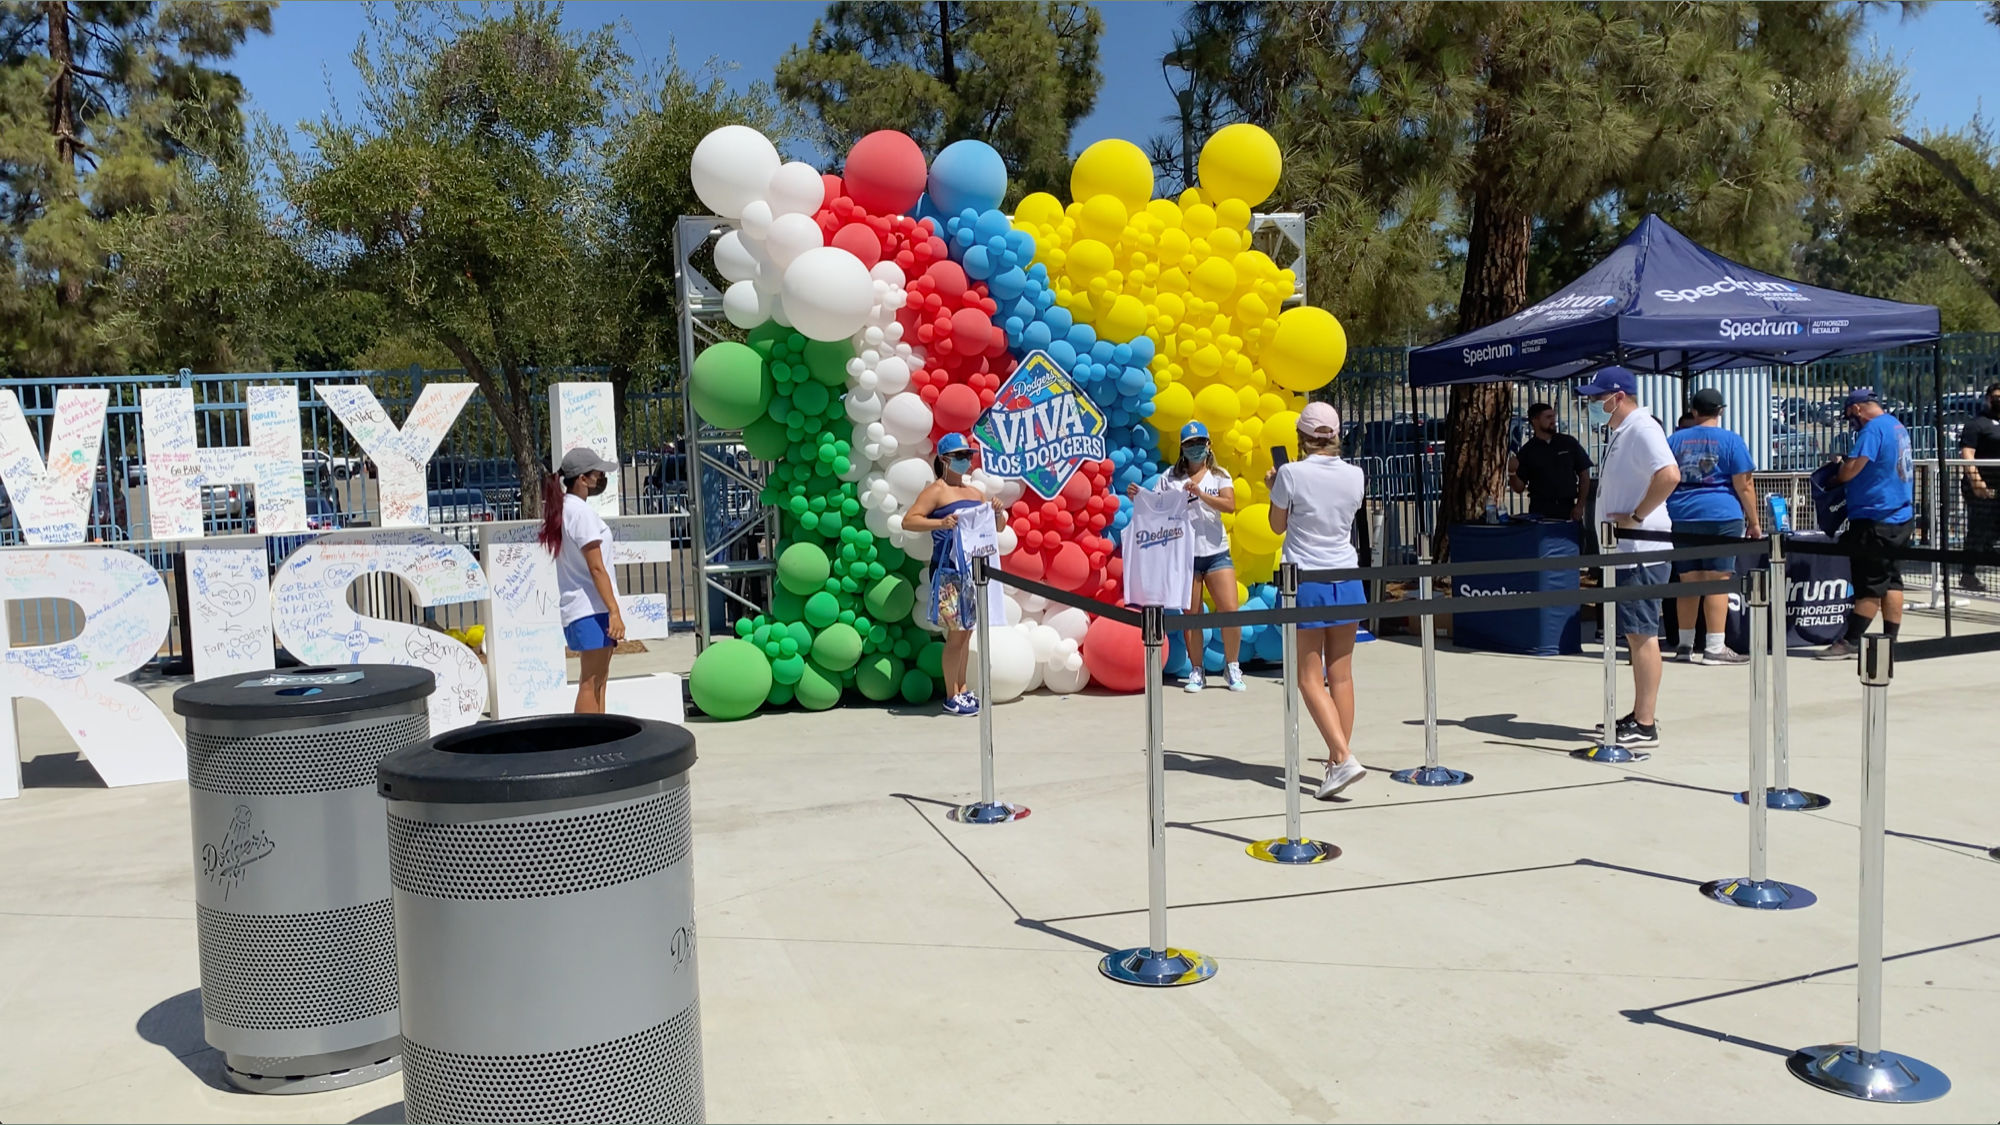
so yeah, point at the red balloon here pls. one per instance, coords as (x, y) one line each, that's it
(957, 408)
(1115, 655)
(1028, 564)
(885, 172)
(1077, 490)
(1069, 567)
(858, 240)
(971, 332)
(834, 188)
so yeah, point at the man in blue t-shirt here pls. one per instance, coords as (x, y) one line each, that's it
(1881, 508)
(1713, 498)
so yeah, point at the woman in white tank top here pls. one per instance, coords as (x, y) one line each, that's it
(1212, 493)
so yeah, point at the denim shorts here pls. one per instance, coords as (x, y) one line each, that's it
(1640, 617)
(1217, 561)
(1724, 563)
(1350, 592)
(588, 634)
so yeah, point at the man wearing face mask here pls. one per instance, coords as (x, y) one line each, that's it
(1638, 474)
(1881, 510)
(1981, 485)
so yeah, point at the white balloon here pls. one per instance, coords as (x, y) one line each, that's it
(1011, 490)
(1011, 665)
(745, 306)
(889, 272)
(731, 167)
(867, 381)
(872, 335)
(1069, 623)
(792, 235)
(826, 293)
(905, 416)
(1033, 603)
(733, 259)
(1008, 542)
(1044, 640)
(796, 188)
(920, 612)
(1066, 674)
(1013, 609)
(863, 406)
(878, 523)
(858, 467)
(907, 477)
(778, 312)
(756, 221)
(892, 375)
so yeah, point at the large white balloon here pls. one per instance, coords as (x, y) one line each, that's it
(892, 375)
(908, 477)
(1009, 541)
(1069, 622)
(733, 259)
(863, 407)
(827, 293)
(745, 306)
(792, 235)
(906, 417)
(1013, 668)
(756, 221)
(732, 166)
(796, 189)
(1044, 640)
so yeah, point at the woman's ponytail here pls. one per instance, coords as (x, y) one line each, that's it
(552, 513)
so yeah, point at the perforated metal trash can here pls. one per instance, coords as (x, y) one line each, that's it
(297, 942)
(545, 922)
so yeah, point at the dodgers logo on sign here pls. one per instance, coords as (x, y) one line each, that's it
(1041, 428)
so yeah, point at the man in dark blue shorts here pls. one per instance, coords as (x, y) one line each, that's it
(1713, 498)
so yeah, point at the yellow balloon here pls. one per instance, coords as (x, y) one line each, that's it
(1040, 209)
(1306, 351)
(1115, 168)
(1198, 220)
(1215, 407)
(1214, 279)
(1164, 211)
(1173, 405)
(1172, 281)
(1234, 214)
(1102, 218)
(1088, 259)
(1282, 429)
(1224, 242)
(1251, 310)
(1125, 319)
(1253, 530)
(1240, 162)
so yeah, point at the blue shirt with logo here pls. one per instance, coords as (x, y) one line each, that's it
(1882, 490)
(1708, 457)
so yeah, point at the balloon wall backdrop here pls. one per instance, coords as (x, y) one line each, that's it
(887, 306)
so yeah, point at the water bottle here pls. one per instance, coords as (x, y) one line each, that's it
(1492, 511)
(1781, 522)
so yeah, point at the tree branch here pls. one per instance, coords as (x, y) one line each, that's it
(1952, 175)
(1975, 267)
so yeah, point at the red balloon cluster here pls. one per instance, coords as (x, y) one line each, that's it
(950, 319)
(1061, 541)
(910, 243)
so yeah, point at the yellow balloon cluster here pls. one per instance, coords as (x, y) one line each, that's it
(1183, 273)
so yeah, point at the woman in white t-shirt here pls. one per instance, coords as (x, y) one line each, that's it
(1313, 504)
(1213, 493)
(580, 540)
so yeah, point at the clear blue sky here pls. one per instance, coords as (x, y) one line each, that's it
(1948, 52)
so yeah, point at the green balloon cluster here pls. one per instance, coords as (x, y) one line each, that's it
(840, 611)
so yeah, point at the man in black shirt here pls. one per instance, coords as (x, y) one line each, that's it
(1551, 468)
(1981, 485)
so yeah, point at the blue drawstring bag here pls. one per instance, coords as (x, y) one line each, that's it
(1829, 497)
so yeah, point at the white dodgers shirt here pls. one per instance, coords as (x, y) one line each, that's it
(1159, 549)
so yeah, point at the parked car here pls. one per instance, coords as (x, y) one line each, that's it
(458, 505)
(323, 512)
(1793, 450)
(498, 479)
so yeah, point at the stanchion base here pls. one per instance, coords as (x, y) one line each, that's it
(1293, 851)
(1884, 1076)
(1431, 775)
(1610, 754)
(982, 812)
(1993, 853)
(1790, 800)
(1766, 895)
(1157, 970)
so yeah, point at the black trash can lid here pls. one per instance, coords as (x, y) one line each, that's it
(545, 758)
(297, 693)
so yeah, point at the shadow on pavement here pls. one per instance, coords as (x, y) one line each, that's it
(59, 771)
(391, 1114)
(174, 1024)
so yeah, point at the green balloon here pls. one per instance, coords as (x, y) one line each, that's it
(765, 438)
(818, 689)
(785, 605)
(729, 386)
(781, 694)
(827, 360)
(822, 609)
(801, 635)
(809, 397)
(837, 647)
(730, 679)
(803, 568)
(917, 687)
(787, 669)
(766, 337)
(931, 659)
(879, 677)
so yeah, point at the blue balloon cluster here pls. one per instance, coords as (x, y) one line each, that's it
(1117, 377)
(1260, 642)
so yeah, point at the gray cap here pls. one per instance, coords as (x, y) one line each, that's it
(581, 460)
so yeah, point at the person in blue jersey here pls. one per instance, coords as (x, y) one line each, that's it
(937, 510)
(1881, 511)
(1713, 498)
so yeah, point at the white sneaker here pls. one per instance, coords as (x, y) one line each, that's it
(1340, 777)
(1234, 678)
(1193, 683)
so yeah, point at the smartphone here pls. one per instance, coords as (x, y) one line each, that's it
(1279, 456)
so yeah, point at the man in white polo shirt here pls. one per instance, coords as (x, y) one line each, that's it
(1634, 479)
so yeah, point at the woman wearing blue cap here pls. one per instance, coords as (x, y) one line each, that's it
(1213, 494)
(936, 510)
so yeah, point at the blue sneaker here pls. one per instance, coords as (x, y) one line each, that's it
(963, 703)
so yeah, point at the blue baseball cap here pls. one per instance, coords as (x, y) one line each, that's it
(1860, 395)
(1609, 380)
(1194, 430)
(952, 443)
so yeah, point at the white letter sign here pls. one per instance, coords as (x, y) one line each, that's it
(52, 496)
(580, 417)
(178, 468)
(400, 455)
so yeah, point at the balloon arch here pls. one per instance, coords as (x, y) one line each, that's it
(890, 305)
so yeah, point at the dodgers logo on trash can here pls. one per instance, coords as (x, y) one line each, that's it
(1041, 427)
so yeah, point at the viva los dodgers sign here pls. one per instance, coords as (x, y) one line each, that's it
(1041, 427)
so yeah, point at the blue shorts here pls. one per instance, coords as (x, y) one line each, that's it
(1724, 563)
(588, 634)
(1350, 592)
(1217, 561)
(1640, 617)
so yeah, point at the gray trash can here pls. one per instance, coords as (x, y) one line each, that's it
(545, 922)
(298, 957)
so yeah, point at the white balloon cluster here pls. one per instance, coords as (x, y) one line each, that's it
(1037, 649)
(777, 262)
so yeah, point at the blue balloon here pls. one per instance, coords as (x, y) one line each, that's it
(1271, 645)
(1062, 353)
(978, 264)
(967, 175)
(927, 209)
(992, 222)
(1007, 285)
(1081, 338)
(1142, 350)
(1057, 317)
(1035, 337)
(1130, 383)
(1102, 351)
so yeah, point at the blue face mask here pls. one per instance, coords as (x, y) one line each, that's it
(1194, 452)
(1600, 415)
(958, 462)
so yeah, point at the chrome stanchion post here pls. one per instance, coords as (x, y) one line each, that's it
(1158, 964)
(1756, 891)
(1781, 795)
(1607, 749)
(1864, 1070)
(988, 810)
(1293, 847)
(1430, 773)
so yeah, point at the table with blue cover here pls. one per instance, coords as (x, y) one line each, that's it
(1545, 631)
(1819, 592)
